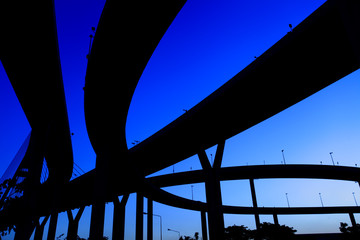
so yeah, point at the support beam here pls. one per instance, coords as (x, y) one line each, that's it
(119, 218)
(255, 206)
(100, 191)
(219, 154)
(203, 226)
(39, 231)
(352, 218)
(74, 223)
(213, 195)
(52, 226)
(149, 219)
(276, 220)
(139, 216)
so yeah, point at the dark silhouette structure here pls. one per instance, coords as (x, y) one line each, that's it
(319, 51)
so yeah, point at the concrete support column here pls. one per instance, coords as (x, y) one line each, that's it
(276, 220)
(97, 221)
(39, 231)
(352, 219)
(100, 191)
(24, 230)
(73, 224)
(119, 218)
(255, 206)
(139, 216)
(149, 219)
(203, 226)
(213, 193)
(52, 226)
(213, 198)
(33, 159)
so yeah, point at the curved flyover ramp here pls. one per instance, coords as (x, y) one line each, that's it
(127, 35)
(318, 52)
(29, 53)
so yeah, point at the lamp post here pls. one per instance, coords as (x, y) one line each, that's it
(174, 231)
(355, 199)
(322, 204)
(160, 224)
(282, 151)
(192, 192)
(287, 199)
(332, 159)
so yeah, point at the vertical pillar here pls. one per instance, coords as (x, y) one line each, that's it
(213, 193)
(139, 216)
(39, 231)
(74, 224)
(57, 195)
(33, 159)
(276, 220)
(119, 218)
(255, 206)
(98, 208)
(149, 219)
(52, 226)
(97, 221)
(203, 225)
(352, 218)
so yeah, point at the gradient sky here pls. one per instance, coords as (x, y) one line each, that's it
(207, 44)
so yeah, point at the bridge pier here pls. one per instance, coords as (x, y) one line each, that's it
(73, 223)
(149, 219)
(203, 226)
(213, 192)
(52, 226)
(34, 159)
(98, 208)
(139, 216)
(119, 218)
(352, 219)
(255, 206)
(276, 220)
(39, 231)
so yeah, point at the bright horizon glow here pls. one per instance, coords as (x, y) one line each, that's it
(211, 41)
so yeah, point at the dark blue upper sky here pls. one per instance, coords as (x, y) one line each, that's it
(207, 44)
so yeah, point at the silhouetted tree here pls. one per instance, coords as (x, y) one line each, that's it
(62, 237)
(269, 231)
(196, 237)
(350, 233)
(237, 233)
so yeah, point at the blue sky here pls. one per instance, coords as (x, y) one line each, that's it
(207, 44)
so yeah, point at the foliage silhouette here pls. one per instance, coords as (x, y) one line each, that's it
(269, 231)
(237, 233)
(266, 231)
(196, 237)
(348, 232)
(62, 237)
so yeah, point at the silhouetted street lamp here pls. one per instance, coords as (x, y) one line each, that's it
(174, 231)
(192, 192)
(322, 204)
(160, 224)
(355, 199)
(287, 199)
(282, 151)
(332, 159)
